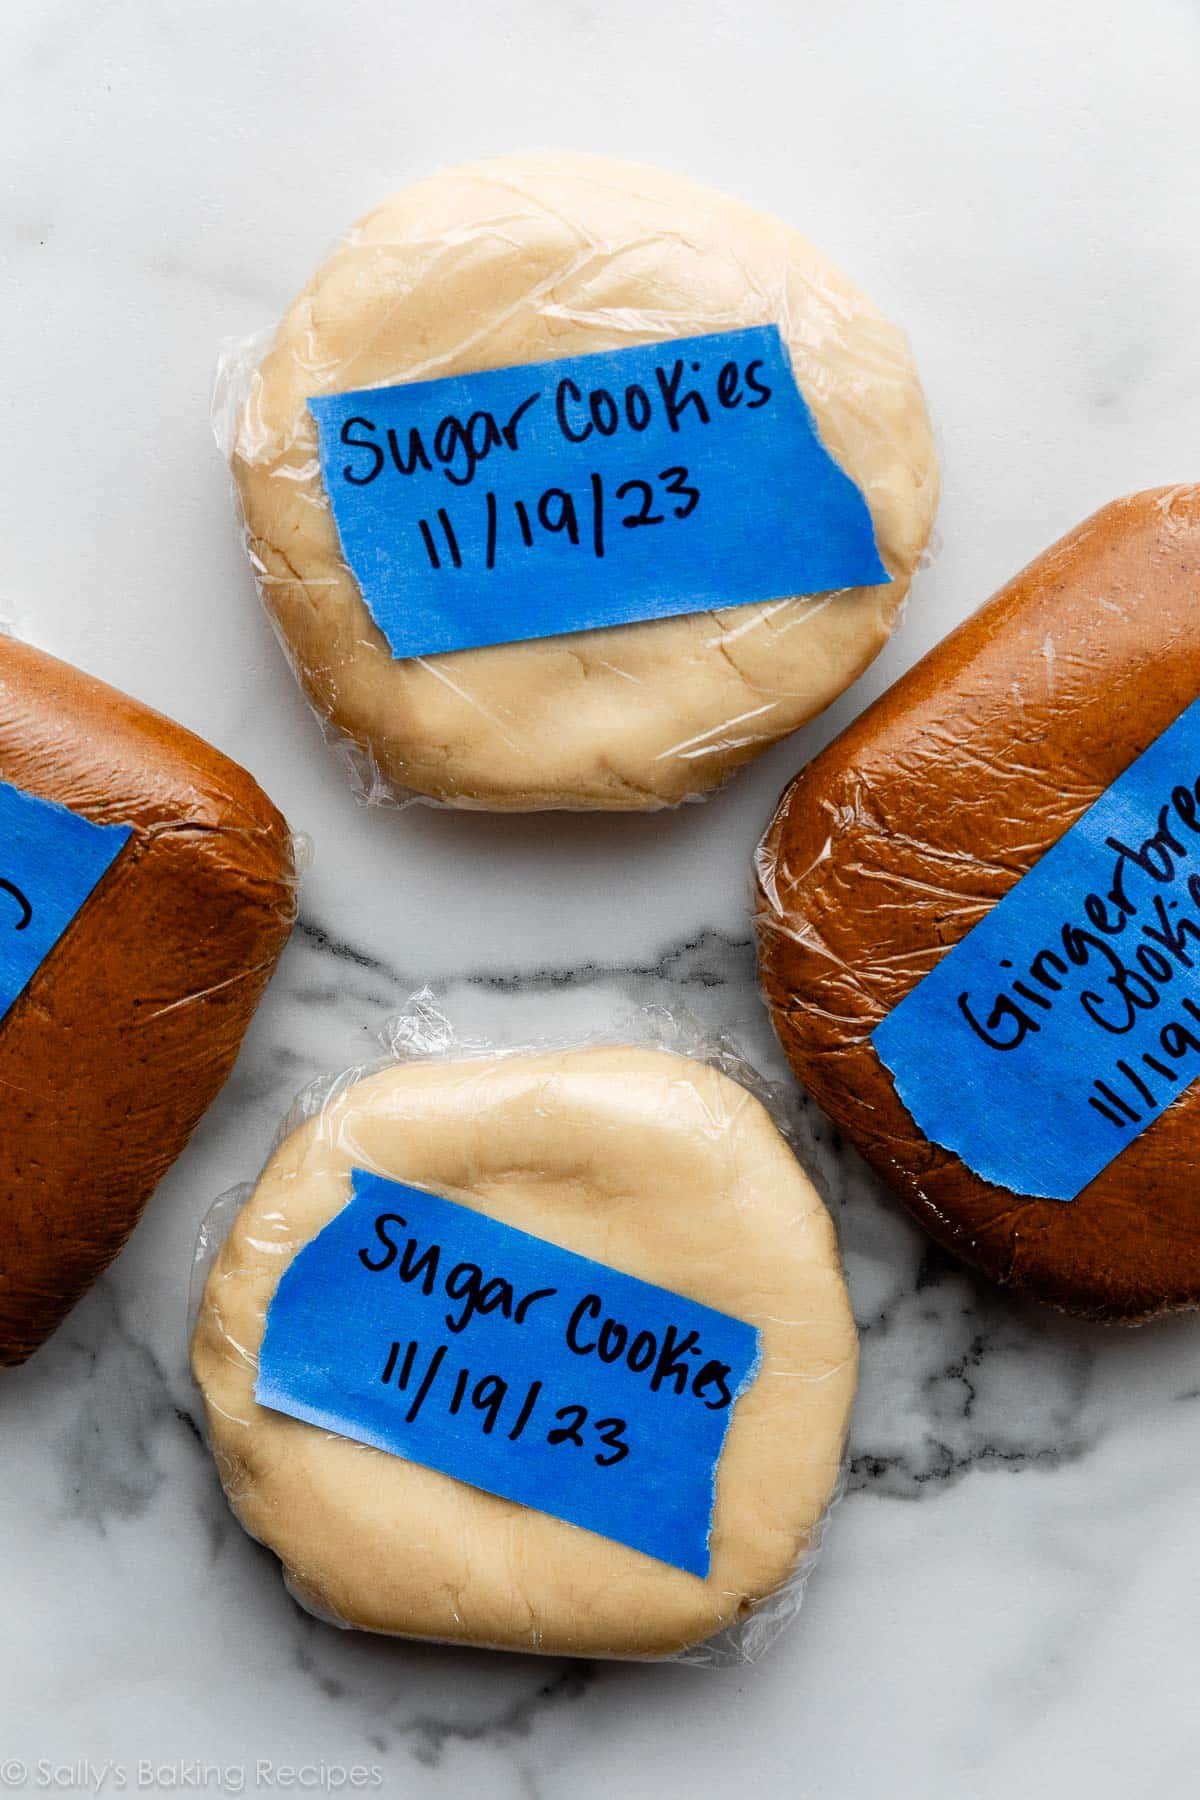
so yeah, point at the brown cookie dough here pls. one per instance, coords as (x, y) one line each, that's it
(129, 1027)
(523, 260)
(656, 1164)
(895, 841)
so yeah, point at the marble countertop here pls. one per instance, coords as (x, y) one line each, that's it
(1009, 1596)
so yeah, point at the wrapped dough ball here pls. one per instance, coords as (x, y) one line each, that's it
(523, 260)
(656, 1165)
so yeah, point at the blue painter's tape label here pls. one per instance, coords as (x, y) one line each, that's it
(598, 490)
(50, 860)
(439, 1334)
(1069, 1018)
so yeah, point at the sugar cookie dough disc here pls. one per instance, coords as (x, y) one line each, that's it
(523, 260)
(649, 1162)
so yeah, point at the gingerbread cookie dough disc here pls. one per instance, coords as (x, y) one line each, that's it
(650, 1162)
(125, 1028)
(524, 260)
(904, 834)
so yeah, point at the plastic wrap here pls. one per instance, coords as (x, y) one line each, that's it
(656, 1151)
(521, 261)
(903, 835)
(121, 1027)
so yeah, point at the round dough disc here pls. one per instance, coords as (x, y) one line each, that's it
(522, 260)
(653, 1163)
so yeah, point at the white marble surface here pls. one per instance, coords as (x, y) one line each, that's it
(1010, 1598)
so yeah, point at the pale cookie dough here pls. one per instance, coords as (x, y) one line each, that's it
(648, 1161)
(522, 260)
